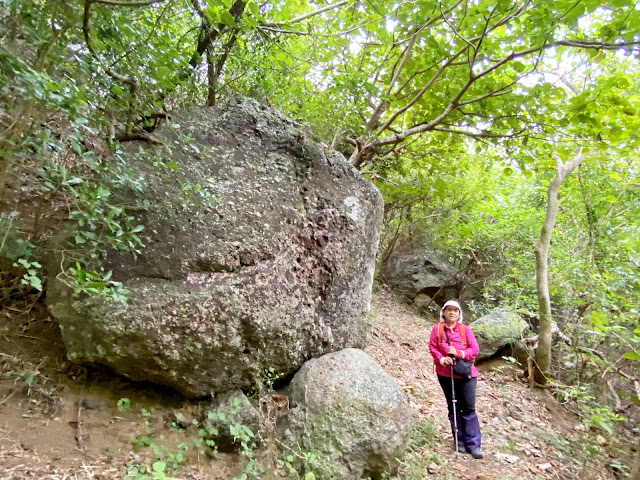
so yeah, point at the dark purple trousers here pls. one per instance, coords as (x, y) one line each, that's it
(469, 434)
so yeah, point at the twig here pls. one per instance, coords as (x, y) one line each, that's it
(306, 15)
(8, 397)
(119, 3)
(78, 425)
(4, 239)
(615, 395)
(33, 304)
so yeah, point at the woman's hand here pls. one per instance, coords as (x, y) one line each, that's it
(452, 351)
(446, 361)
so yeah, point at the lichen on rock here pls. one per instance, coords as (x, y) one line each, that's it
(496, 330)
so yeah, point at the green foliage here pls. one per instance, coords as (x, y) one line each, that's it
(94, 283)
(424, 435)
(419, 457)
(306, 465)
(31, 277)
(20, 272)
(417, 466)
(302, 462)
(164, 459)
(124, 404)
(594, 415)
(167, 461)
(12, 246)
(241, 434)
(142, 472)
(264, 382)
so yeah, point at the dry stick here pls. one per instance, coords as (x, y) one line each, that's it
(30, 307)
(78, 426)
(4, 239)
(8, 397)
(615, 395)
(530, 372)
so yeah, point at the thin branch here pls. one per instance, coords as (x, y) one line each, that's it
(214, 71)
(421, 92)
(398, 67)
(482, 134)
(86, 30)
(4, 239)
(412, 40)
(576, 44)
(455, 103)
(301, 18)
(449, 63)
(148, 37)
(129, 80)
(496, 93)
(209, 33)
(375, 116)
(121, 3)
(455, 31)
(486, 29)
(279, 30)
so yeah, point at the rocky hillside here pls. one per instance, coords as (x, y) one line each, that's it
(59, 421)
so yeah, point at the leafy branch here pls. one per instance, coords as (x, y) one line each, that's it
(370, 146)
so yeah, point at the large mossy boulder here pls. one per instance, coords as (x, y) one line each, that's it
(496, 330)
(350, 413)
(260, 249)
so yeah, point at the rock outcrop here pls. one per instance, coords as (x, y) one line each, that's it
(351, 413)
(421, 275)
(259, 254)
(496, 330)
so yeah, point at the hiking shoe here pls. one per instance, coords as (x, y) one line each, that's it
(462, 449)
(477, 453)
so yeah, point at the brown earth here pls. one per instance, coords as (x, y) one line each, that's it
(62, 421)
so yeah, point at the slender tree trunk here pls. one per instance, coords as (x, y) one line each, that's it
(543, 353)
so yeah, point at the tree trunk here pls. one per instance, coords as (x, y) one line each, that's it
(543, 353)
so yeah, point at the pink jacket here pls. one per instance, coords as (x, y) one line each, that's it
(439, 350)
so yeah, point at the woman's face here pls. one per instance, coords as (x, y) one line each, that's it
(451, 314)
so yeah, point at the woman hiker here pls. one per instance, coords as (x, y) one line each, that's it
(450, 340)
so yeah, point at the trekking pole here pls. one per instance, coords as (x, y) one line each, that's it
(455, 417)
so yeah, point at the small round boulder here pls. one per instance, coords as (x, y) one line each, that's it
(350, 413)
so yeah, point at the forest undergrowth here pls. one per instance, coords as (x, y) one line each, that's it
(63, 421)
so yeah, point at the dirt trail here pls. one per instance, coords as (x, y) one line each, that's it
(60, 421)
(526, 432)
